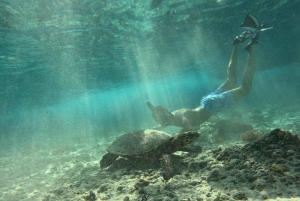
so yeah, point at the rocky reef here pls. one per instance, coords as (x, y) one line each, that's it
(270, 163)
(267, 168)
(250, 136)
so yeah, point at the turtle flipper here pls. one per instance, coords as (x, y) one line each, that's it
(192, 149)
(107, 160)
(166, 165)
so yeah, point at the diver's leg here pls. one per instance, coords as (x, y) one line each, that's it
(231, 70)
(245, 88)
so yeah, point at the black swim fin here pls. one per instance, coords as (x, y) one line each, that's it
(251, 23)
(265, 27)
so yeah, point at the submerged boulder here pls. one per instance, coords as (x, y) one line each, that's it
(272, 160)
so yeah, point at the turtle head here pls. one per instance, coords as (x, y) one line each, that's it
(183, 139)
(107, 160)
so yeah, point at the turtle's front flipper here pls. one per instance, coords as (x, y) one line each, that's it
(107, 160)
(191, 149)
(167, 170)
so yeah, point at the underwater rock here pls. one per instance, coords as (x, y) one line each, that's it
(275, 144)
(214, 175)
(260, 184)
(46, 198)
(264, 195)
(140, 184)
(226, 128)
(239, 196)
(196, 166)
(279, 168)
(262, 169)
(249, 136)
(103, 188)
(59, 191)
(126, 198)
(228, 153)
(174, 184)
(120, 188)
(89, 196)
(105, 197)
(152, 189)
(270, 160)
(142, 197)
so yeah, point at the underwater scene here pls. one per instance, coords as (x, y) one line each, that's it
(149, 100)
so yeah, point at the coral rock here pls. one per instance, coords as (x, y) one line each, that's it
(250, 135)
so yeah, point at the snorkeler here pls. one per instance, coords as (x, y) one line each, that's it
(226, 95)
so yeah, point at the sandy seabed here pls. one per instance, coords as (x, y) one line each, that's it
(227, 169)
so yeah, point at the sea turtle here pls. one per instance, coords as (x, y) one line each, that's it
(150, 144)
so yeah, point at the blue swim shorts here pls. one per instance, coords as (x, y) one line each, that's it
(217, 101)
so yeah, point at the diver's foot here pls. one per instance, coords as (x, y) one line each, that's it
(242, 37)
(253, 40)
(253, 25)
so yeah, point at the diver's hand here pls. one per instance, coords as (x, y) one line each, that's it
(186, 129)
(186, 126)
(161, 127)
(160, 114)
(150, 105)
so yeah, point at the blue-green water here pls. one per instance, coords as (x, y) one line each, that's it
(96, 58)
(72, 69)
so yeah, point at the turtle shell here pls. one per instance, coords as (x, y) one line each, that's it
(137, 143)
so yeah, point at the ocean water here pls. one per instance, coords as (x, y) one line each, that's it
(80, 72)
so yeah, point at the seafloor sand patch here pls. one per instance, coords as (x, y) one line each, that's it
(225, 170)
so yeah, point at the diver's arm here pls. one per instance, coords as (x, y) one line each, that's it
(186, 123)
(161, 127)
(186, 126)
